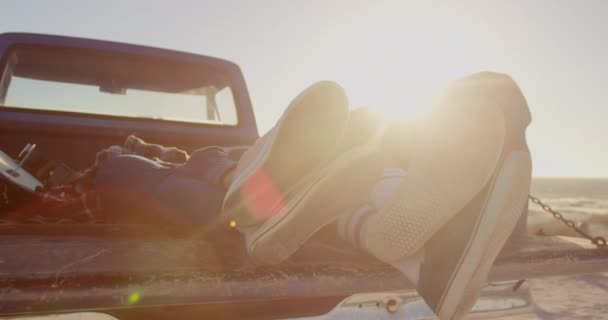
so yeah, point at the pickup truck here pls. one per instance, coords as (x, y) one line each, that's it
(73, 97)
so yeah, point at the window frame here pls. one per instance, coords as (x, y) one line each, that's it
(230, 72)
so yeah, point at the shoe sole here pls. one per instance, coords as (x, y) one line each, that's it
(318, 203)
(290, 131)
(428, 198)
(503, 207)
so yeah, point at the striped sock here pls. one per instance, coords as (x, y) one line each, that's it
(352, 226)
(349, 225)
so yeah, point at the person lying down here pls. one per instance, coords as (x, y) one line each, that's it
(436, 197)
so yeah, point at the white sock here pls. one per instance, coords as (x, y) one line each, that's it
(351, 226)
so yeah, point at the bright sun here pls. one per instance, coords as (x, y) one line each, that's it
(402, 78)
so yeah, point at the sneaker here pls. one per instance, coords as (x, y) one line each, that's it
(340, 186)
(303, 139)
(467, 184)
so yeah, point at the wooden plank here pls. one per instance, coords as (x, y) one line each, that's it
(92, 273)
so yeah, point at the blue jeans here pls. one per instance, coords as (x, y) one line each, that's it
(134, 188)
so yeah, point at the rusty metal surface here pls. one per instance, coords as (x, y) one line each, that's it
(88, 273)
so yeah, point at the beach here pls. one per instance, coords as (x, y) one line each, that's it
(575, 297)
(585, 201)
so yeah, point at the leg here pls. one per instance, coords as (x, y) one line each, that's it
(135, 188)
(341, 185)
(124, 185)
(284, 216)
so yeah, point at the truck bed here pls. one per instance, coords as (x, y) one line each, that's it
(116, 274)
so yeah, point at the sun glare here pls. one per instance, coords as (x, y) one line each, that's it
(402, 77)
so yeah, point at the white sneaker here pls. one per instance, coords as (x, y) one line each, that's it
(324, 194)
(469, 166)
(270, 173)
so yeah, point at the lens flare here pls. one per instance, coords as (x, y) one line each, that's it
(133, 298)
(262, 197)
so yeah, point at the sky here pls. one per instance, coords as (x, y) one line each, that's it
(393, 56)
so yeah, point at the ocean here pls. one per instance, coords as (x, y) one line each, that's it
(585, 201)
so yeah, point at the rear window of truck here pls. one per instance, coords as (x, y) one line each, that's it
(119, 86)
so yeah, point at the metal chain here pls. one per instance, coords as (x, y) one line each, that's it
(598, 241)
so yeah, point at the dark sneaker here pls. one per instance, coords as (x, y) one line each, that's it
(468, 180)
(340, 186)
(304, 138)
